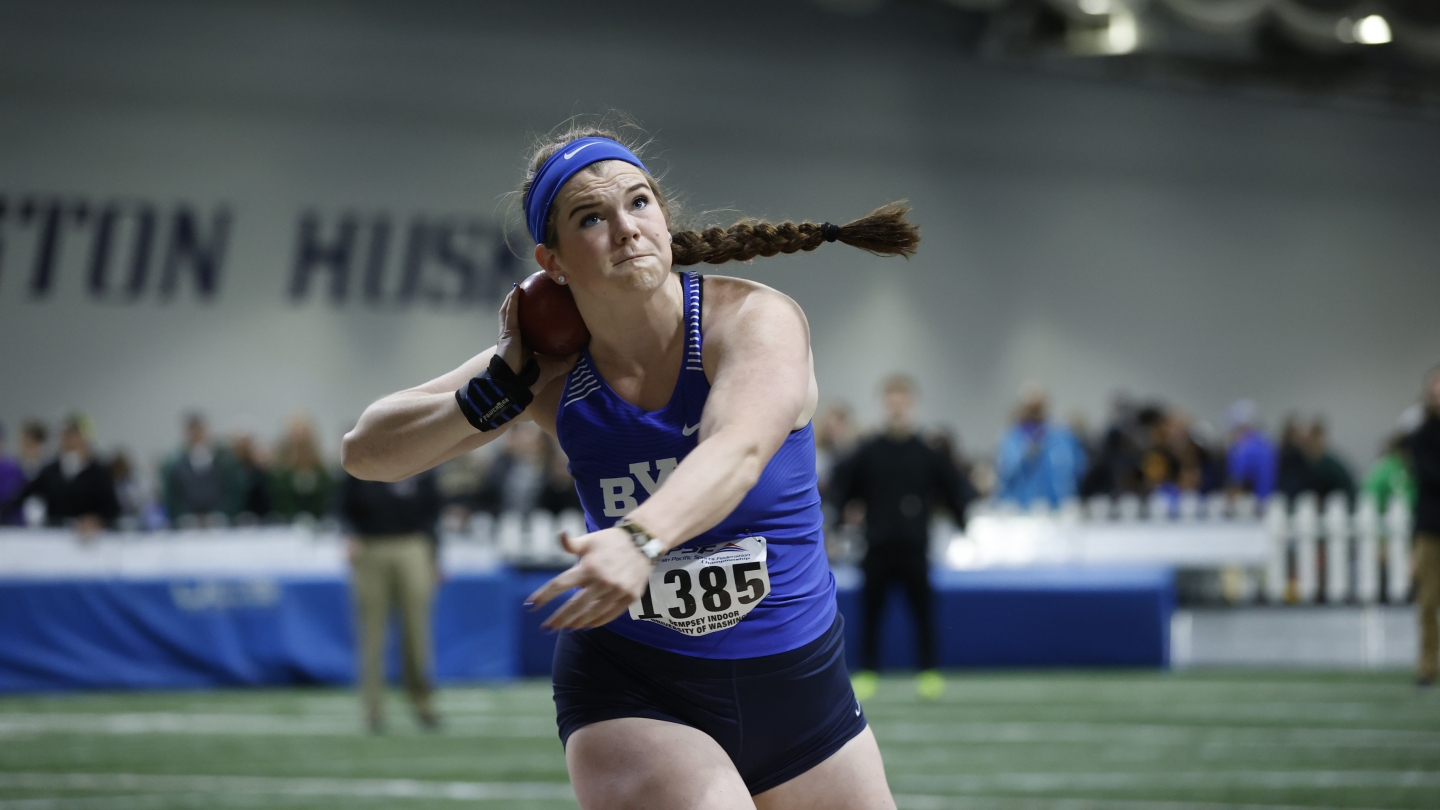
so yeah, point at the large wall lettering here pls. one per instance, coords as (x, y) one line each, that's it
(135, 249)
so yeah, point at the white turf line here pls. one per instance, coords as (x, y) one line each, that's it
(1274, 780)
(956, 784)
(285, 786)
(24, 725)
(14, 725)
(1151, 734)
(911, 801)
(202, 801)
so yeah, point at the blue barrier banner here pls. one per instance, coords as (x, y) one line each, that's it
(199, 632)
(1051, 616)
(102, 634)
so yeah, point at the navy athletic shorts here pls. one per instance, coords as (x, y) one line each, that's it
(777, 716)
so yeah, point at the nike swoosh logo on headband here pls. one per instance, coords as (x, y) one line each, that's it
(576, 150)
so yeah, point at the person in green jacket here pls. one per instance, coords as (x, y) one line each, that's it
(1390, 475)
(300, 482)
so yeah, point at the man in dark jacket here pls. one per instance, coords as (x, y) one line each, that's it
(393, 556)
(77, 489)
(898, 477)
(201, 479)
(1425, 455)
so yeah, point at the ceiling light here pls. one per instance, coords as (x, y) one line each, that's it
(1372, 30)
(1096, 7)
(1122, 35)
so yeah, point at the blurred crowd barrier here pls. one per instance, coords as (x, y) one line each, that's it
(1276, 550)
(1271, 551)
(477, 545)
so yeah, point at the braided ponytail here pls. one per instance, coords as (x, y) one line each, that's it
(884, 232)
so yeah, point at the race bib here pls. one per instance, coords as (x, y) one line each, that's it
(705, 588)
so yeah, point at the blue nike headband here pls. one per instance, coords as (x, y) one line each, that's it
(562, 166)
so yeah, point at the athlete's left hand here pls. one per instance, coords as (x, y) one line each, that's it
(611, 574)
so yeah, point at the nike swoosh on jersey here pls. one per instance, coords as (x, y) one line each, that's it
(687, 430)
(576, 150)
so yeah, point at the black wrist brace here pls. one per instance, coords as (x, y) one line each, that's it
(491, 399)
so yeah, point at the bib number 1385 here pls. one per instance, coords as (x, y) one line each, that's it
(706, 588)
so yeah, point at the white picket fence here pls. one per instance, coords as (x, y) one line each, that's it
(1333, 555)
(1347, 547)
(521, 539)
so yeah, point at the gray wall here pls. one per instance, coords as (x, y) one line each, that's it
(1091, 236)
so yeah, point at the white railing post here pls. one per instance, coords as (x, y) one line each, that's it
(1188, 508)
(1397, 550)
(1367, 551)
(510, 536)
(1277, 523)
(1337, 548)
(1307, 535)
(1097, 508)
(1127, 507)
(541, 541)
(1157, 508)
(1217, 506)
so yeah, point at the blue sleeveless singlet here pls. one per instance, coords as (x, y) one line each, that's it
(620, 454)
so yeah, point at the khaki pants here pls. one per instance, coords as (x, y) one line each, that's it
(394, 571)
(1427, 599)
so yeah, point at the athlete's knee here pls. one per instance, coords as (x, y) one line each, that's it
(623, 788)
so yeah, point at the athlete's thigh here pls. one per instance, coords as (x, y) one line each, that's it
(636, 763)
(853, 778)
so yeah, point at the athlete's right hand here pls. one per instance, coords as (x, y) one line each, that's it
(611, 574)
(516, 355)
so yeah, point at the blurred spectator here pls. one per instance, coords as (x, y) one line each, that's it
(559, 493)
(254, 475)
(129, 491)
(1325, 473)
(1290, 471)
(1079, 429)
(518, 476)
(947, 444)
(77, 490)
(201, 478)
(1158, 468)
(33, 438)
(1425, 455)
(1037, 460)
(899, 477)
(834, 439)
(12, 481)
(1251, 464)
(1389, 477)
(464, 482)
(394, 560)
(1191, 465)
(300, 483)
(1307, 463)
(1116, 465)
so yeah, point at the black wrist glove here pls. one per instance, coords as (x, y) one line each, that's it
(491, 399)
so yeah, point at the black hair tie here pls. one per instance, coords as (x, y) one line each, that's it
(830, 231)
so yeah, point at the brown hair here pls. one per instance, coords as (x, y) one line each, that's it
(884, 231)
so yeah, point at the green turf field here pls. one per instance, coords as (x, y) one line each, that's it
(1070, 741)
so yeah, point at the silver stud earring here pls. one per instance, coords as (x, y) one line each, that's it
(561, 279)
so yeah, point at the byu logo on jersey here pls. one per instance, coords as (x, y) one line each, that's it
(619, 493)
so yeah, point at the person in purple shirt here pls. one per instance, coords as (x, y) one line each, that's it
(1252, 463)
(12, 480)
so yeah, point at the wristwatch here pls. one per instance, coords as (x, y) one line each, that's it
(646, 543)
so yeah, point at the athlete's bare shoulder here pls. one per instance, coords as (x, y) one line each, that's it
(739, 302)
(755, 324)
